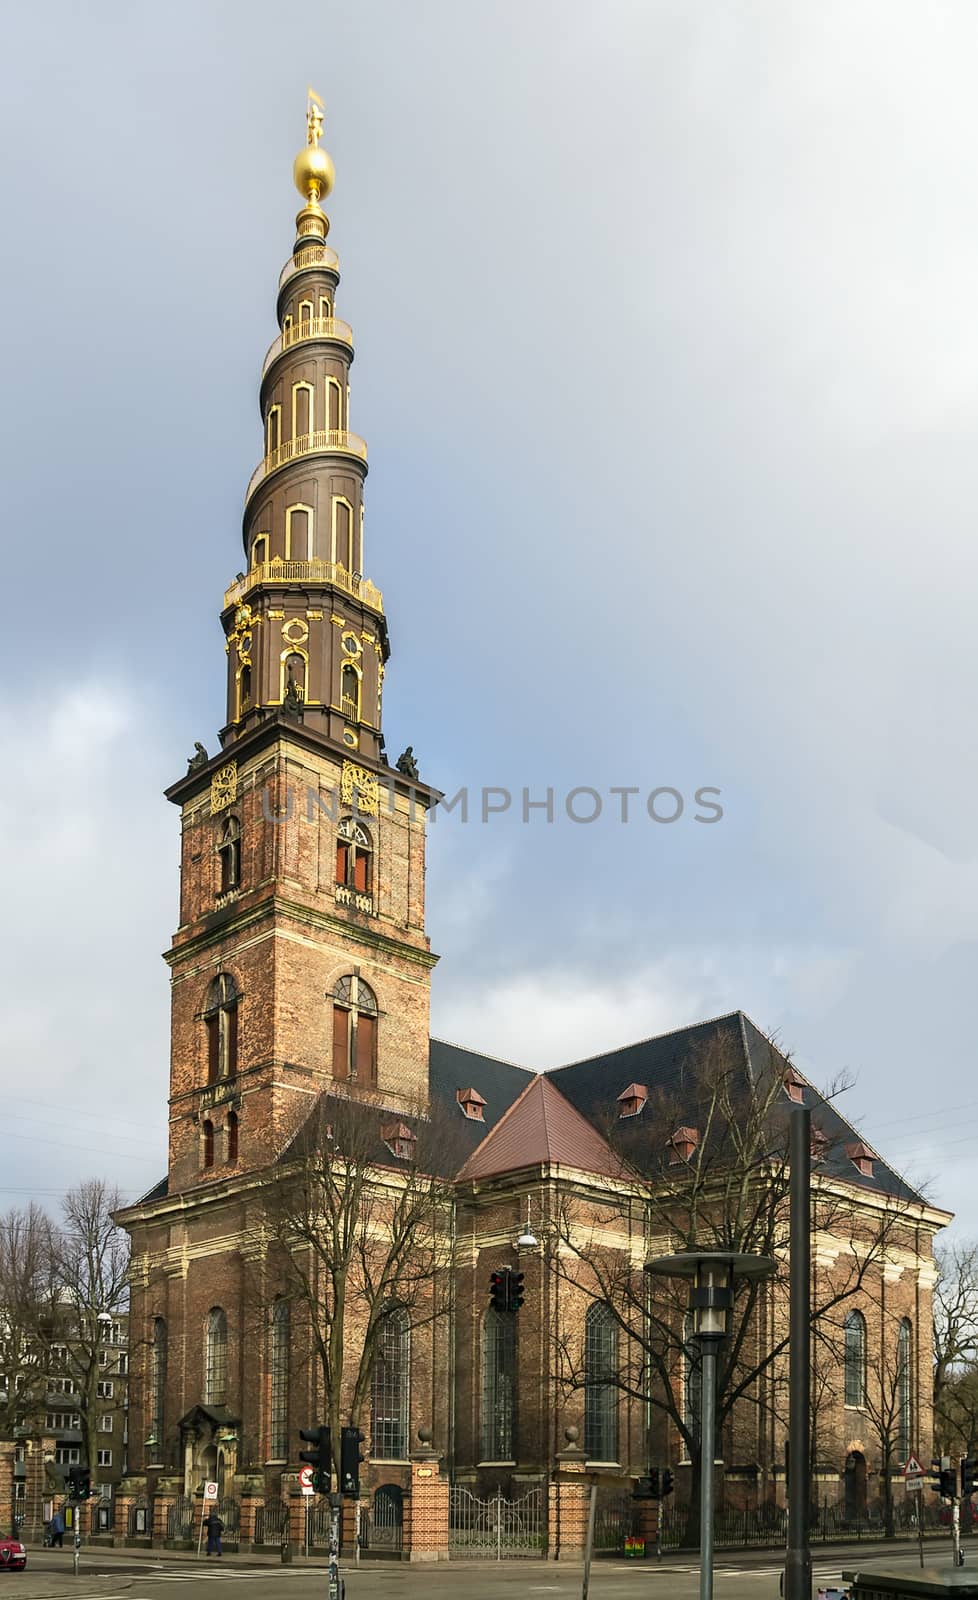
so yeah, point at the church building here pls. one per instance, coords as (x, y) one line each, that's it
(300, 979)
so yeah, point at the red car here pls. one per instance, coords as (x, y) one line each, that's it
(13, 1556)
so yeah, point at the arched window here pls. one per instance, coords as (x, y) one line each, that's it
(904, 1388)
(299, 532)
(692, 1379)
(353, 855)
(259, 549)
(354, 1031)
(157, 1424)
(208, 1131)
(305, 312)
(278, 1363)
(216, 1358)
(350, 692)
(294, 675)
(390, 1388)
(600, 1391)
(855, 1359)
(229, 849)
(232, 1136)
(273, 430)
(334, 404)
(221, 1022)
(244, 689)
(303, 410)
(498, 1386)
(341, 537)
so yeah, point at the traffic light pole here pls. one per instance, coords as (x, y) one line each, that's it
(798, 1556)
(76, 1534)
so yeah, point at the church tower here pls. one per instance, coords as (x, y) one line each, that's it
(301, 961)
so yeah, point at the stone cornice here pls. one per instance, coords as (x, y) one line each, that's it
(278, 905)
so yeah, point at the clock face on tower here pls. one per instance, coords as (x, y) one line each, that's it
(224, 787)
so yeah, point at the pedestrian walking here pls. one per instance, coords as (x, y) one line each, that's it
(213, 1527)
(58, 1530)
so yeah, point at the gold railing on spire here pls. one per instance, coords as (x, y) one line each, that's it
(310, 255)
(279, 571)
(325, 442)
(308, 328)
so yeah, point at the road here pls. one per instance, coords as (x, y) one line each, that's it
(122, 1576)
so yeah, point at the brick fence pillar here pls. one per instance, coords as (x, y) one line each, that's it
(7, 1448)
(567, 1507)
(425, 1532)
(647, 1523)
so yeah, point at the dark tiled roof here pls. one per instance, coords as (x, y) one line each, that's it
(452, 1067)
(541, 1128)
(664, 1064)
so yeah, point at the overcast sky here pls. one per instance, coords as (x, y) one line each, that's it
(667, 356)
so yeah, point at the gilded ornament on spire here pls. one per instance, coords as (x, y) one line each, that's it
(313, 171)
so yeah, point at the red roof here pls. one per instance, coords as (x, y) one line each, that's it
(541, 1128)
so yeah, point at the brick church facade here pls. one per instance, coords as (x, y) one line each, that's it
(300, 976)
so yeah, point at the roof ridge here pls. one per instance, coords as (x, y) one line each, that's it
(602, 1055)
(502, 1061)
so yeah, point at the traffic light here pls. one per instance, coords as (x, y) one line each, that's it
(947, 1480)
(515, 1297)
(969, 1475)
(666, 1483)
(499, 1289)
(319, 1459)
(647, 1488)
(350, 1458)
(79, 1483)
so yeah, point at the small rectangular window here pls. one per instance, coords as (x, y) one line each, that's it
(105, 1422)
(104, 1458)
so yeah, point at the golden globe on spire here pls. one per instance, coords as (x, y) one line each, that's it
(313, 169)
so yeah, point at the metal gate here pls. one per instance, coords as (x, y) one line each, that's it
(180, 1519)
(496, 1529)
(382, 1526)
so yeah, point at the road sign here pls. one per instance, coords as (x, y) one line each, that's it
(305, 1480)
(912, 1468)
(210, 1491)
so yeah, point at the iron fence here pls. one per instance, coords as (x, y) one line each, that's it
(271, 1521)
(614, 1521)
(382, 1522)
(180, 1519)
(768, 1525)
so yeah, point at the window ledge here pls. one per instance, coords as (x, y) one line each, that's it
(494, 1464)
(607, 1465)
(390, 1461)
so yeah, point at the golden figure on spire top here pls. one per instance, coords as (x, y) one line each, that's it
(313, 170)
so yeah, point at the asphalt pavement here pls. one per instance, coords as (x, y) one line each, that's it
(149, 1575)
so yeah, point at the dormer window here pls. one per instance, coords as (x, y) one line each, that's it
(400, 1140)
(632, 1099)
(794, 1086)
(471, 1103)
(821, 1144)
(861, 1157)
(682, 1145)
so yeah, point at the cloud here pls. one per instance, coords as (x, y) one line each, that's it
(87, 852)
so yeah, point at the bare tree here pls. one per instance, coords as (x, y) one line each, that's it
(354, 1228)
(26, 1300)
(705, 1167)
(91, 1271)
(886, 1402)
(955, 1328)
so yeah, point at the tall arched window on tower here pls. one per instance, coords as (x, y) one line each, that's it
(157, 1424)
(273, 429)
(221, 1023)
(854, 1329)
(334, 404)
(299, 523)
(232, 1136)
(904, 1388)
(354, 853)
(355, 1031)
(278, 1363)
(303, 410)
(390, 1388)
(341, 533)
(229, 852)
(207, 1133)
(216, 1358)
(498, 1386)
(293, 675)
(350, 692)
(600, 1383)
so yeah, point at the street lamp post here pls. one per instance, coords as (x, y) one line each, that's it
(710, 1302)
